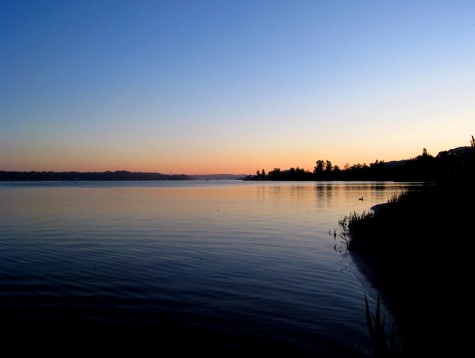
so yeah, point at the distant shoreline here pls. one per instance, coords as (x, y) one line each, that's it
(121, 175)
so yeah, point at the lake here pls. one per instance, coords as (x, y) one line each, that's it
(213, 266)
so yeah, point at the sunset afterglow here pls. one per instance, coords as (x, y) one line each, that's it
(199, 87)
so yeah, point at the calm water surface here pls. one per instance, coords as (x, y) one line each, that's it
(230, 263)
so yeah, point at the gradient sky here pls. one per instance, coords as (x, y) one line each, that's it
(200, 87)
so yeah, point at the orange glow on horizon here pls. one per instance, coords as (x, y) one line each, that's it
(242, 161)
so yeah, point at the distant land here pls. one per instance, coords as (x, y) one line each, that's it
(422, 167)
(107, 175)
(218, 176)
(461, 152)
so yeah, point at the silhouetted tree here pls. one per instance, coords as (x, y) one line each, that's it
(274, 174)
(319, 165)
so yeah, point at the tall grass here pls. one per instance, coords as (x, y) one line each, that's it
(415, 245)
(384, 344)
(415, 219)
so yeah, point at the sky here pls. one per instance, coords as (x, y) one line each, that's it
(202, 87)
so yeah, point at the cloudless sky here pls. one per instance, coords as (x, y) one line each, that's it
(228, 86)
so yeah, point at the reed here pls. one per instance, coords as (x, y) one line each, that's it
(355, 227)
(384, 345)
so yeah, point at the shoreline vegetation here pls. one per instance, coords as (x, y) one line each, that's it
(414, 251)
(422, 168)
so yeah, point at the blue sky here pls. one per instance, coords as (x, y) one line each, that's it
(232, 86)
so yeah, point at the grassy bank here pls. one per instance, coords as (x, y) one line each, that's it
(414, 250)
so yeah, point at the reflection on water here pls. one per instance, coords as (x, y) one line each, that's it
(232, 263)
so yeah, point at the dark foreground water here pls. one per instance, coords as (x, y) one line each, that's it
(200, 266)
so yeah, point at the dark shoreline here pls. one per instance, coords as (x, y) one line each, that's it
(412, 250)
(80, 176)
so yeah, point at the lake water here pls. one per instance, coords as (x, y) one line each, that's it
(230, 266)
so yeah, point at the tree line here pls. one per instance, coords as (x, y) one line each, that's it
(424, 167)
